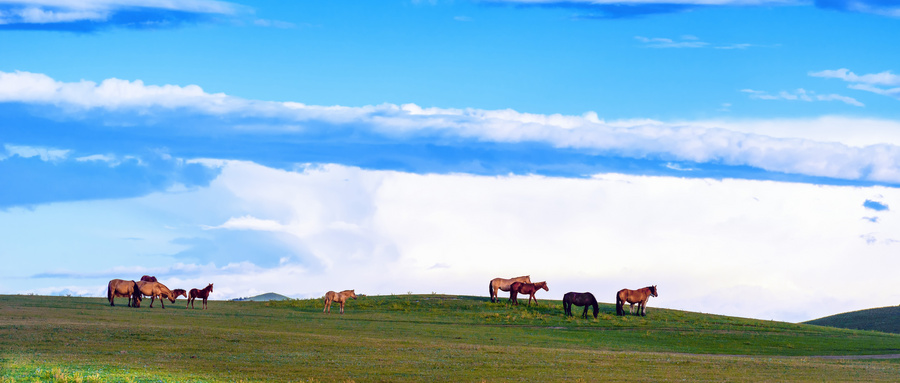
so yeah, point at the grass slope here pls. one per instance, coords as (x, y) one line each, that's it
(414, 338)
(264, 298)
(885, 319)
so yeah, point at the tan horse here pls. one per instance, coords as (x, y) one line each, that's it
(503, 284)
(639, 296)
(123, 288)
(340, 297)
(525, 288)
(155, 290)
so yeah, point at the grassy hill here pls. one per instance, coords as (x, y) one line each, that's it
(264, 298)
(885, 319)
(415, 338)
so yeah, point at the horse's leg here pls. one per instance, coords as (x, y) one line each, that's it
(204, 303)
(161, 303)
(584, 314)
(643, 307)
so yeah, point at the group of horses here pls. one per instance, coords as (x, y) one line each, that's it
(523, 285)
(149, 286)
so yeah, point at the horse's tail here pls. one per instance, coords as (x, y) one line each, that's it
(620, 304)
(109, 293)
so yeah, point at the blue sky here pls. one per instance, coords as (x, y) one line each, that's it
(419, 146)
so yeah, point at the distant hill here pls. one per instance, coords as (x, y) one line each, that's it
(263, 298)
(884, 319)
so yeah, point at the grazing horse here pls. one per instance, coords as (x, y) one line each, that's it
(340, 297)
(525, 288)
(640, 296)
(580, 299)
(149, 278)
(123, 288)
(503, 284)
(199, 293)
(155, 290)
(179, 292)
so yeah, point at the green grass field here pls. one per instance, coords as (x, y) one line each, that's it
(415, 338)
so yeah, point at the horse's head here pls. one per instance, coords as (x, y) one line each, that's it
(653, 291)
(210, 287)
(353, 294)
(542, 285)
(527, 279)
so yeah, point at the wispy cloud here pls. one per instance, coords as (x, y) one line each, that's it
(617, 9)
(661, 42)
(885, 83)
(888, 8)
(801, 95)
(92, 15)
(689, 41)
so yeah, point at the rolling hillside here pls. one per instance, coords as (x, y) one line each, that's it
(884, 319)
(417, 338)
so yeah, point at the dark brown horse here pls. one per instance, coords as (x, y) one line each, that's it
(199, 293)
(640, 296)
(503, 284)
(525, 288)
(154, 290)
(580, 299)
(149, 278)
(340, 297)
(123, 288)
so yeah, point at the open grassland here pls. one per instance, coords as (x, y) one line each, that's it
(415, 338)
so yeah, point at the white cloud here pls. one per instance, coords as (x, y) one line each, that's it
(685, 141)
(706, 243)
(45, 154)
(884, 83)
(801, 95)
(661, 42)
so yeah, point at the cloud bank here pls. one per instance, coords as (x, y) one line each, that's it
(413, 138)
(302, 232)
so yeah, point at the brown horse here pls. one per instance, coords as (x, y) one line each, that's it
(149, 278)
(179, 292)
(640, 296)
(155, 290)
(123, 288)
(199, 293)
(525, 288)
(503, 284)
(340, 297)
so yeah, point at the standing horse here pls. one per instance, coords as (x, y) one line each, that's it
(640, 296)
(154, 290)
(580, 299)
(199, 293)
(123, 288)
(525, 288)
(340, 297)
(503, 284)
